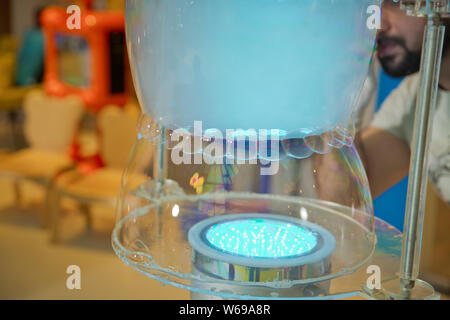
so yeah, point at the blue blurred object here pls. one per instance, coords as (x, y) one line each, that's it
(387, 84)
(30, 62)
(390, 206)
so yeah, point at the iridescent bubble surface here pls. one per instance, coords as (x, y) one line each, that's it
(260, 64)
(292, 66)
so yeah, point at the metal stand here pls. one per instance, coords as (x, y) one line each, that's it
(410, 287)
(160, 174)
(160, 164)
(426, 105)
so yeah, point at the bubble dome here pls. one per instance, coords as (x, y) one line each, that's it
(238, 63)
(280, 208)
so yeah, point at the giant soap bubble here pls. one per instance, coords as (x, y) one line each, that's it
(268, 218)
(285, 64)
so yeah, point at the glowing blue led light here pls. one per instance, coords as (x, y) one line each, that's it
(261, 238)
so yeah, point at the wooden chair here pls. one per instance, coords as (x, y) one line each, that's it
(50, 127)
(117, 133)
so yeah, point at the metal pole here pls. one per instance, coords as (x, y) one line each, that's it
(418, 175)
(160, 175)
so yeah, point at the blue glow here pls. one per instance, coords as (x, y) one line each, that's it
(261, 238)
(237, 63)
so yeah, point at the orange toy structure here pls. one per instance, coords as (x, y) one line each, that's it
(89, 61)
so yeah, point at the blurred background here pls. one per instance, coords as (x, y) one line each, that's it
(68, 116)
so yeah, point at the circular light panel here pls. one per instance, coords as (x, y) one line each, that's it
(261, 238)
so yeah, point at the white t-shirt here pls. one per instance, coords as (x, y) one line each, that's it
(397, 117)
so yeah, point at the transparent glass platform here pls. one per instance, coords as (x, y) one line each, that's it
(153, 239)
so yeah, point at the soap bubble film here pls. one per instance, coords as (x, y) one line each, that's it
(284, 76)
(257, 64)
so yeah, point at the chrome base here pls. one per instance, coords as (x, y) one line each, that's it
(211, 263)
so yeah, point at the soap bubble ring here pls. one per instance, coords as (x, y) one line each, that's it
(245, 146)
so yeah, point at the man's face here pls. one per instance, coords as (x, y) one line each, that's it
(399, 41)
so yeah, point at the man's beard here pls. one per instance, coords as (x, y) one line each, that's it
(409, 64)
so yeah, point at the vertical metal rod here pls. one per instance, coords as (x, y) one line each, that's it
(160, 175)
(161, 157)
(160, 167)
(159, 164)
(418, 175)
